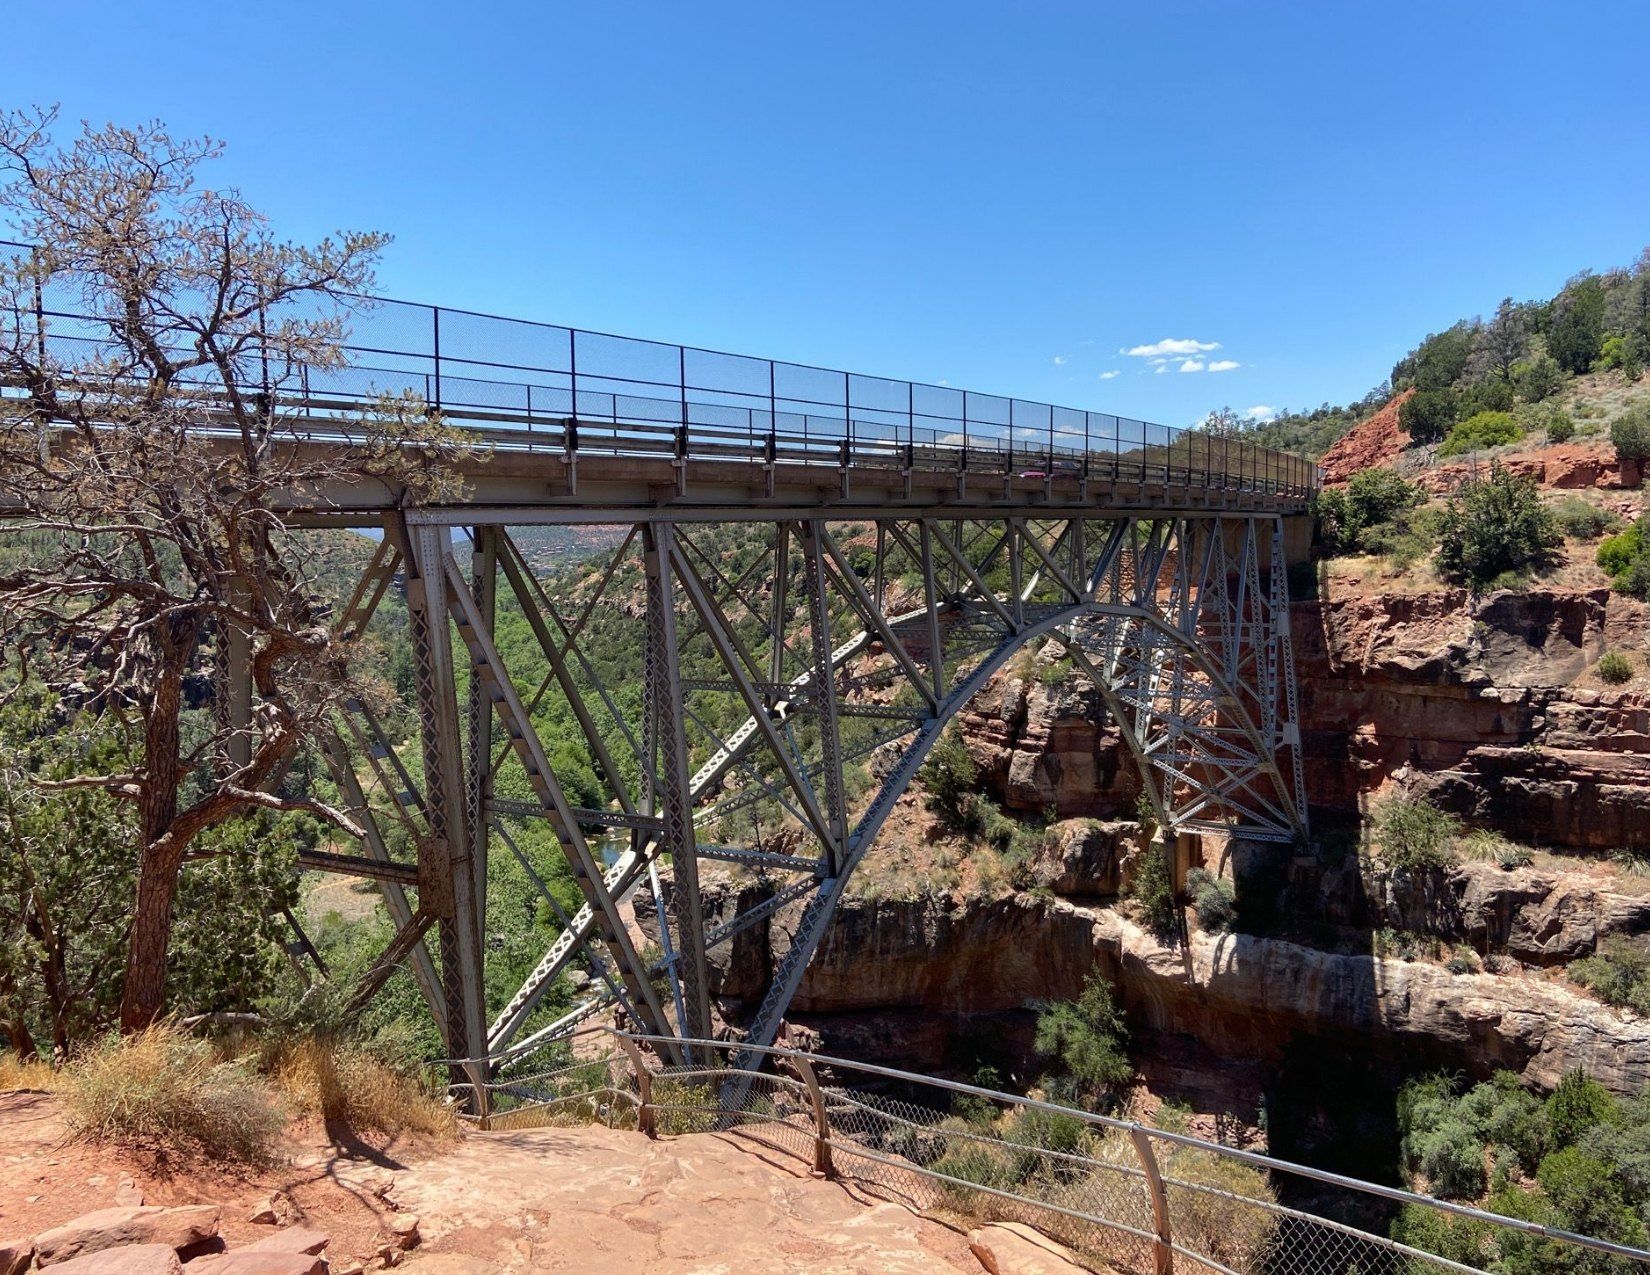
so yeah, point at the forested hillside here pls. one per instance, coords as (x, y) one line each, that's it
(1521, 356)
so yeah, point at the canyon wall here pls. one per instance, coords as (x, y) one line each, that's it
(1484, 704)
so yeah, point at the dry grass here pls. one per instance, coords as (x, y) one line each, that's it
(26, 1073)
(344, 1084)
(171, 1093)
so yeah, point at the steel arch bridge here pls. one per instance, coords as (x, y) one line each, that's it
(779, 663)
(823, 569)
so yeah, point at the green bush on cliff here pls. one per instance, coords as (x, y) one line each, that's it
(949, 777)
(1372, 508)
(1153, 889)
(1414, 835)
(1618, 974)
(1481, 430)
(1494, 528)
(1625, 558)
(1087, 1039)
(1213, 898)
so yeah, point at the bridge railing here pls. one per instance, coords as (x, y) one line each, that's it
(537, 386)
(1137, 1197)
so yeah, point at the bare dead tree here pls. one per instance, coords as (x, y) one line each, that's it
(166, 535)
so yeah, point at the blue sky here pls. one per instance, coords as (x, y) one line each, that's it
(1002, 196)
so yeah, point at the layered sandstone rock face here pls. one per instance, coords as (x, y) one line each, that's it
(907, 981)
(1475, 703)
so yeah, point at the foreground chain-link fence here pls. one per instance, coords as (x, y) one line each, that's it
(1123, 1196)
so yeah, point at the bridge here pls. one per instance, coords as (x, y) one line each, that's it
(824, 568)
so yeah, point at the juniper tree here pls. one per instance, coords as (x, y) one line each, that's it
(167, 542)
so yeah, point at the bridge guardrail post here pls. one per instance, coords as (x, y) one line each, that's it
(1163, 1247)
(477, 1071)
(646, 1121)
(822, 1125)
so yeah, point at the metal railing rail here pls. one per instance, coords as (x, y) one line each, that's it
(543, 387)
(1138, 1196)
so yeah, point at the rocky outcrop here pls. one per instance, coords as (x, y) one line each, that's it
(1561, 467)
(1538, 917)
(1473, 703)
(1374, 442)
(1049, 744)
(1255, 995)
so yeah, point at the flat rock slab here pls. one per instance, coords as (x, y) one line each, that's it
(123, 1227)
(1008, 1248)
(127, 1259)
(249, 1261)
(599, 1201)
(294, 1239)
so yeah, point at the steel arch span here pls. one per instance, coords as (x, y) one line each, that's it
(794, 674)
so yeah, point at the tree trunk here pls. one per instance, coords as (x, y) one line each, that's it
(18, 1036)
(143, 996)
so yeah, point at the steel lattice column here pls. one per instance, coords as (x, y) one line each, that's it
(446, 884)
(669, 789)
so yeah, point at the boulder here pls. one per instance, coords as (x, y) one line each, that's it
(294, 1239)
(125, 1259)
(1011, 1248)
(117, 1227)
(16, 1256)
(403, 1229)
(1083, 856)
(252, 1262)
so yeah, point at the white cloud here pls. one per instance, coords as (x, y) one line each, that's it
(1106, 376)
(1171, 345)
(1192, 365)
(1059, 360)
(1260, 412)
(1224, 365)
(1162, 368)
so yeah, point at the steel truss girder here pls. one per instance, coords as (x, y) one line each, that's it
(1181, 623)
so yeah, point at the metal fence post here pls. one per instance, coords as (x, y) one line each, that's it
(822, 1125)
(1163, 1248)
(483, 1095)
(644, 1086)
(435, 312)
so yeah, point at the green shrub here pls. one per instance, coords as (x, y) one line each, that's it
(1583, 1188)
(1372, 500)
(1580, 519)
(1618, 973)
(1615, 668)
(1576, 1105)
(1436, 1140)
(1485, 429)
(1560, 428)
(1087, 1038)
(1494, 527)
(1630, 433)
(1153, 889)
(1213, 898)
(1616, 554)
(1414, 834)
(949, 776)
(1538, 380)
(1427, 415)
